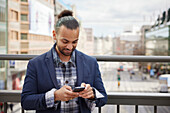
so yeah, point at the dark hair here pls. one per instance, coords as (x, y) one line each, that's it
(66, 18)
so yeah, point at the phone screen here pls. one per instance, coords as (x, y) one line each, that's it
(78, 89)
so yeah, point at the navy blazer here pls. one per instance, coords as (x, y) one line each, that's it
(41, 78)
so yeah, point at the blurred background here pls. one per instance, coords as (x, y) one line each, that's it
(108, 27)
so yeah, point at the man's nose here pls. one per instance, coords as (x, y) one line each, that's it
(69, 46)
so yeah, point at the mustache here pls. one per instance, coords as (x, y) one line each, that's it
(68, 49)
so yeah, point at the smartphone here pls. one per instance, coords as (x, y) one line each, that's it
(78, 89)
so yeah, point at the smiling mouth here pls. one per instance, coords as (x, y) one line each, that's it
(67, 51)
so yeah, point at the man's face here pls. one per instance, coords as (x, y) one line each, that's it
(66, 40)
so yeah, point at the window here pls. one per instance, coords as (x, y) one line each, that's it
(24, 36)
(2, 38)
(24, 17)
(14, 35)
(2, 64)
(14, 15)
(24, 52)
(2, 14)
(24, 0)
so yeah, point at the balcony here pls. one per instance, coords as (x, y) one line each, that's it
(114, 98)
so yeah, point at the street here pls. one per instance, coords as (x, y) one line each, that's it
(136, 84)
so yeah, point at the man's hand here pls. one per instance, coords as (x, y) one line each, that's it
(87, 92)
(65, 94)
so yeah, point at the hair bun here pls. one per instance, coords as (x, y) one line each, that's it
(65, 13)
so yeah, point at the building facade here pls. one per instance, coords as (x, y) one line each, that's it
(157, 38)
(144, 29)
(103, 45)
(89, 43)
(29, 32)
(128, 43)
(3, 42)
(157, 41)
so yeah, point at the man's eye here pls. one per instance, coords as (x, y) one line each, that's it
(74, 42)
(64, 42)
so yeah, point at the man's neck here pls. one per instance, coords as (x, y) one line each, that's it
(64, 58)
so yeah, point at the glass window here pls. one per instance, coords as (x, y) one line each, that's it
(24, 52)
(24, 17)
(2, 14)
(2, 38)
(2, 64)
(24, 0)
(14, 35)
(24, 36)
(157, 42)
(160, 33)
(14, 15)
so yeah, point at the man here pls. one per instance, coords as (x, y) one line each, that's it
(51, 77)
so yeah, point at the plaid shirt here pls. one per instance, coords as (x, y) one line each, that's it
(66, 75)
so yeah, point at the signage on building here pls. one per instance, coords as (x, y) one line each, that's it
(12, 63)
(41, 18)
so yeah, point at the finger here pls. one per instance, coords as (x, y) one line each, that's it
(87, 95)
(83, 84)
(71, 94)
(68, 88)
(87, 89)
(67, 99)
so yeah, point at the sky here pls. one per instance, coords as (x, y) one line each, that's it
(112, 17)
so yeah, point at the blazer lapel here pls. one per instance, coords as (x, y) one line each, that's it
(51, 69)
(80, 67)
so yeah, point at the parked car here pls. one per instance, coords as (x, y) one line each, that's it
(164, 81)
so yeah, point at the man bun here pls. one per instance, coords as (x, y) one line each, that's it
(65, 13)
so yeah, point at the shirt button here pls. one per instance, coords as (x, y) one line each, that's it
(66, 82)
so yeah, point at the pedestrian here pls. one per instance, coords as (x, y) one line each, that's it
(51, 77)
(11, 106)
(131, 73)
(152, 72)
(118, 78)
(148, 68)
(1, 106)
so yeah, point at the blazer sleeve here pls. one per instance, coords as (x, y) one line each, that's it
(30, 99)
(98, 84)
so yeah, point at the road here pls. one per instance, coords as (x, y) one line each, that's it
(136, 84)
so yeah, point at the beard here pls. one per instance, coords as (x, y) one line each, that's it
(65, 51)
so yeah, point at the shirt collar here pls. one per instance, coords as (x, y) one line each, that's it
(57, 59)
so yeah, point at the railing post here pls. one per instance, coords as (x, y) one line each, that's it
(155, 109)
(5, 107)
(136, 108)
(22, 110)
(99, 109)
(118, 109)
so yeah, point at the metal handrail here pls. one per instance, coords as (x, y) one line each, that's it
(131, 98)
(114, 98)
(113, 58)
